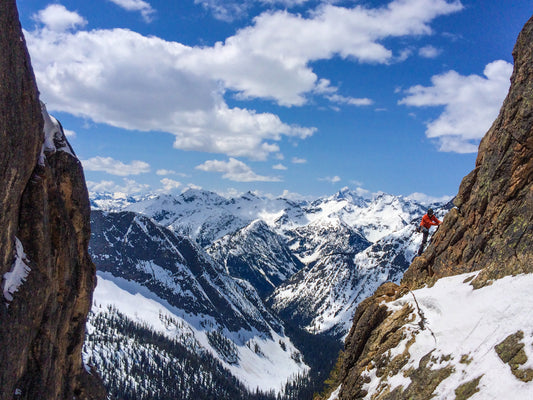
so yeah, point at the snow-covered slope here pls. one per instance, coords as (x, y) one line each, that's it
(324, 295)
(320, 239)
(257, 360)
(202, 259)
(258, 255)
(145, 268)
(476, 344)
(348, 244)
(205, 216)
(343, 270)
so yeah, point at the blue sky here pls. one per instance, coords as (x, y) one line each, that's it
(293, 97)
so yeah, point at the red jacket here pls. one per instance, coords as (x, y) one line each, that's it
(428, 221)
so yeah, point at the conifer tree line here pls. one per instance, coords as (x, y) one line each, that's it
(137, 363)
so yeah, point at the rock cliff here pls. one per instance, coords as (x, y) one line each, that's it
(46, 273)
(487, 236)
(491, 227)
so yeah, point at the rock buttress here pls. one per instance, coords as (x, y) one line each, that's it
(47, 275)
(490, 230)
(491, 227)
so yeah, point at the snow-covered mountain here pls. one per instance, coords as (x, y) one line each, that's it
(258, 255)
(206, 216)
(323, 296)
(106, 201)
(342, 266)
(206, 263)
(152, 275)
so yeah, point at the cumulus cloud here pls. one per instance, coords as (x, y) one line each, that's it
(128, 186)
(235, 170)
(471, 104)
(280, 167)
(270, 59)
(143, 7)
(164, 172)
(170, 184)
(57, 18)
(297, 160)
(69, 133)
(142, 87)
(330, 179)
(124, 79)
(115, 167)
(428, 52)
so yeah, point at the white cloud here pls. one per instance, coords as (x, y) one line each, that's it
(271, 58)
(425, 199)
(143, 7)
(229, 193)
(295, 196)
(352, 101)
(471, 104)
(129, 186)
(115, 167)
(235, 170)
(428, 52)
(230, 10)
(359, 184)
(164, 172)
(126, 80)
(297, 160)
(330, 179)
(280, 167)
(363, 192)
(170, 184)
(69, 133)
(225, 10)
(191, 186)
(57, 18)
(121, 78)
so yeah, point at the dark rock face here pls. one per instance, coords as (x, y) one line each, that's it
(492, 226)
(491, 230)
(44, 213)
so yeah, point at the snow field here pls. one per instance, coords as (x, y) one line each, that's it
(467, 324)
(267, 369)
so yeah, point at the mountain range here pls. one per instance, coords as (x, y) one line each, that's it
(245, 279)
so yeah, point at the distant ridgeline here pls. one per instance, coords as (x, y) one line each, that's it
(460, 325)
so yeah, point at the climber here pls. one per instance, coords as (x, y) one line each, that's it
(428, 220)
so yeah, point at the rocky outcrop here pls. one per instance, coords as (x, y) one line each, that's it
(491, 227)
(46, 273)
(489, 231)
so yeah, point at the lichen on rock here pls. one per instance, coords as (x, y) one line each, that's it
(511, 351)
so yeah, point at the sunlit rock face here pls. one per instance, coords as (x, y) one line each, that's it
(47, 274)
